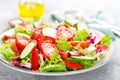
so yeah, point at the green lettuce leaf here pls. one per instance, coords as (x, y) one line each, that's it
(64, 45)
(87, 64)
(53, 68)
(81, 35)
(54, 64)
(20, 29)
(56, 59)
(106, 39)
(7, 51)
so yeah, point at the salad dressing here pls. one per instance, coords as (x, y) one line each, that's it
(31, 10)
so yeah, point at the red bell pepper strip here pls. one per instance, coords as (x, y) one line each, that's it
(49, 39)
(72, 65)
(35, 59)
(84, 44)
(101, 46)
(75, 43)
(64, 54)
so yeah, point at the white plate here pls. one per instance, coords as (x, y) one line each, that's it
(6, 63)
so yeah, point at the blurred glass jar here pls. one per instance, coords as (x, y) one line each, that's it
(31, 10)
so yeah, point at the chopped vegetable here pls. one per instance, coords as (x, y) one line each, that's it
(79, 58)
(91, 39)
(23, 34)
(84, 44)
(6, 37)
(73, 65)
(106, 39)
(64, 33)
(48, 31)
(81, 35)
(35, 59)
(101, 47)
(75, 53)
(37, 33)
(85, 61)
(64, 45)
(82, 26)
(7, 51)
(53, 63)
(53, 68)
(21, 29)
(49, 39)
(47, 49)
(28, 49)
(21, 42)
(75, 43)
(64, 54)
(15, 49)
(16, 62)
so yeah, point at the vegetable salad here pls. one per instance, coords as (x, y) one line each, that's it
(60, 48)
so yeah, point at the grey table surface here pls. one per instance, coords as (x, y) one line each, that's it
(110, 71)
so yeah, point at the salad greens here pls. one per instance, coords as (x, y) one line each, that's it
(67, 50)
(7, 51)
(81, 35)
(85, 61)
(64, 45)
(106, 39)
(55, 64)
(20, 29)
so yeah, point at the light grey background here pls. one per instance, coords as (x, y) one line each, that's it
(110, 71)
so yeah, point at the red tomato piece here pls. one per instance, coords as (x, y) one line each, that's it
(63, 33)
(37, 33)
(6, 37)
(21, 42)
(84, 44)
(40, 40)
(64, 54)
(101, 46)
(72, 65)
(74, 43)
(47, 49)
(49, 39)
(15, 49)
(35, 59)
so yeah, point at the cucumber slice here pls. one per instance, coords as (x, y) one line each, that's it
(23, 34)
(83, 58)
(82, 25)
(28, 49)
(48, 31)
